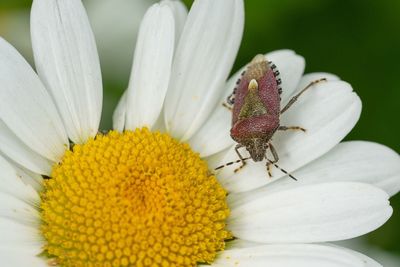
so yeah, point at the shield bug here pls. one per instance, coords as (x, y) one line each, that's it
(256, 110)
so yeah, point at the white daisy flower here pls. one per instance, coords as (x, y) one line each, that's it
(138, 197)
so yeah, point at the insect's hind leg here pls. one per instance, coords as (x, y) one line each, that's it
(294, 99)
(271, 162)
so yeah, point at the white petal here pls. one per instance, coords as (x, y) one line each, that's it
(299, 255)
(315, 213)
(240, 243)
(180, 14)
(368, 262)
(17, 236)
(151, 67)
(26, 107)
(217, 159)
(20, 257)
(204, 57)
(291, 68)
(30, 178)
(120, 114)
(16, 150)
(14, 209)
(115, 25)
(11, 183)
(214, 136)
(67, 62)
(355, 161)
(328, 112)
(362, 245)
(310, 77)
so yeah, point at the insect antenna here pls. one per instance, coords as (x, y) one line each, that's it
(230, 163)
(282, 170)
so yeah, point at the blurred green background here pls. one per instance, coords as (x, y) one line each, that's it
(359, 40)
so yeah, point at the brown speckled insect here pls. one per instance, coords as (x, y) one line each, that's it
(256, 111)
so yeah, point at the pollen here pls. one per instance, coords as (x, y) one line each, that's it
(137, 198)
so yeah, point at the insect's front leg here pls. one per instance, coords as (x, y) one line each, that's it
(294, 99)
(230, 100)
(242, 160)
(271, 162)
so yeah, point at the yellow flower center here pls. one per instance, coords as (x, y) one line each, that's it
(137, 198)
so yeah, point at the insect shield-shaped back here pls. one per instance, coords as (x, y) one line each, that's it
(256, 109)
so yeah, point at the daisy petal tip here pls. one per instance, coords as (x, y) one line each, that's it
(151, 67)
(199, 72)
(319, 213)
(27, 107)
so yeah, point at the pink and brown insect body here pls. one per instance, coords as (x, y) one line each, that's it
(256, 109)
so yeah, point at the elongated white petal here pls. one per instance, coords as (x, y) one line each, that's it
(362, 245)
(328, 112)
(115, 25)
(204, 57)
(151, 67)
(311, 77)
(67, 62)
(18, 236)
(11, 182)
(120, 114)
(30, 178)
(26, 107)
(15, 209)
(21, 257)
(299, 255)
(315, 213)
(180, 14)
(241, 243)
(16, 150)
(355, 161)
(214, 135)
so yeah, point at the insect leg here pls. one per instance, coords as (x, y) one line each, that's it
(240, 156)
(271, 162)
(230, 100)
(294, 99)
(226, 105)
(296, 128)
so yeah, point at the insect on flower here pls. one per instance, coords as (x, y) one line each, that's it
(256, 110)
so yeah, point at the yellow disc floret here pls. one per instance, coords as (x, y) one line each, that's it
(137, 198)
